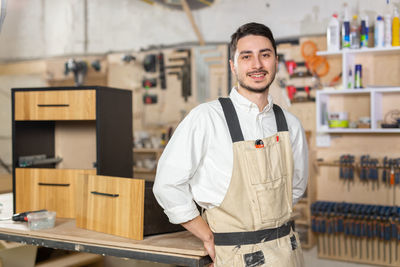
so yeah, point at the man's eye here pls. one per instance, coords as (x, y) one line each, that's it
(266, 55)
(245, 57)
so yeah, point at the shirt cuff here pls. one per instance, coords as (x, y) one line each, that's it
(295, 200)
(182, 214)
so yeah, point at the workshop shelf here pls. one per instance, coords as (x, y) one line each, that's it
(376, 103)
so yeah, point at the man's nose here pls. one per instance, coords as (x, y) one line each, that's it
(256, 63)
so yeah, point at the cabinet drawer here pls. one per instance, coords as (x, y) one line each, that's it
(111, 205)
(55, 105)
(51, 189)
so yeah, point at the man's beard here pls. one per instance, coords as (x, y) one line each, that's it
(252, 89)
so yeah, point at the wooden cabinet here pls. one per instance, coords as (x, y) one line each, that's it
(111, 205)
(90, 128)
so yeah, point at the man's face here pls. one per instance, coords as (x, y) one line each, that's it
(255, 63)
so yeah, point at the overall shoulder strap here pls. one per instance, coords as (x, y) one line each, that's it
(281, 124)
(231, 119)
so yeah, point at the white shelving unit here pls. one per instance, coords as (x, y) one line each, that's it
(374, 101)
(348, 57)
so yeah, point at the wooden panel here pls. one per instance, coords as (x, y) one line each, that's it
(49, 189)
(111, 205)
(55, 105)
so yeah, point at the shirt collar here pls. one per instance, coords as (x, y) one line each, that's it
(246, 104)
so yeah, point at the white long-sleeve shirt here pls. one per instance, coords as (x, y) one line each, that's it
(197, 163)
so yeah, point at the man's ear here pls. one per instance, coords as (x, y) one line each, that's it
(232, 65)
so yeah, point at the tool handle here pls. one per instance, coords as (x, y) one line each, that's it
(23, 216)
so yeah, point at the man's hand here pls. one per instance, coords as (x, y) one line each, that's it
(210, 248)
(200, 229)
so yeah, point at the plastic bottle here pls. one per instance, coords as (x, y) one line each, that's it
(388, 30)
(379, 35)
(364, 32)
(395, 28)
(346, 33)
(333, 34)
(354, 33)
(350, 84)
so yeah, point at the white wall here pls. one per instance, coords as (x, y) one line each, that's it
(42, 28)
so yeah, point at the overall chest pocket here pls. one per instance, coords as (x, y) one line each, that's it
(264, 165)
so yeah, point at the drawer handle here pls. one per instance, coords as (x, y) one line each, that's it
(104, 194)
(52, 105)
(47, 184)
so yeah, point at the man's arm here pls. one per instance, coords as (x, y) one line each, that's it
(300, 157)
(201, 230)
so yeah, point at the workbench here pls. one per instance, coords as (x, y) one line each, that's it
(180, 248)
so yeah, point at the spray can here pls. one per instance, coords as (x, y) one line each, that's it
(379, 32)
(388, 30)
(364, 32)
(333, 34)
(395, 28)
(354, 33)
(358, 76)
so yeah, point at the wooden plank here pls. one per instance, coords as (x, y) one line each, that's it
(183, 243)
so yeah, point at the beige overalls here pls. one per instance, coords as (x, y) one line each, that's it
(251, 226)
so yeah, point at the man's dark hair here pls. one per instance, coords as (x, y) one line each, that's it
(251, 28)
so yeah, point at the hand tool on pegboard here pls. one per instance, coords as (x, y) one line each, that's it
(150, 63)
(363, 224)
(149, 82)
(345, 210)
(397, 171)
(385, 170)
(205, 57)
(161, 69)
(369, 230)
(393, 230)
(294, 97)
(79, 68)
(185, 70)
(338, 224)
(346, 171)
(364, 167)
(373, 172)
(294, 71)
(363, 230)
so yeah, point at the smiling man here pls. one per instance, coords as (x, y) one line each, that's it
(244, 160)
